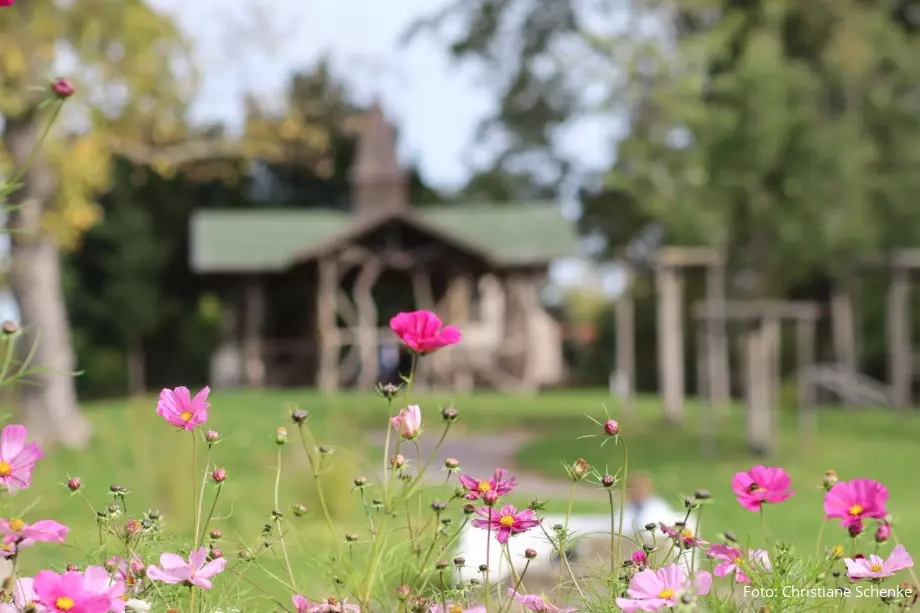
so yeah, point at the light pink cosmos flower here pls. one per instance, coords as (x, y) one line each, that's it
(130, 574)
(506, 522)
(23, 598)
(17, 460)
(98, 580)
(762, 484)
(875, 567)
(454, 608)
(332, 605)
(532, 602)
(421, 331)
(69, 592)
(853, 501)
(730, 561)
(498, 483)
(682, 536)
(45, 531)
(181, 410)
(652, 590)
(409, 422)
(174, 569)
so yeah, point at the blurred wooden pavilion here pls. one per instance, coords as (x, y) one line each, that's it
(308, 294)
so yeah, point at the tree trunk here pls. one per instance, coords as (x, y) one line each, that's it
(48, 404)
(137, 366)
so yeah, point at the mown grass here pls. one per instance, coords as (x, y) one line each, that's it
(133, 447)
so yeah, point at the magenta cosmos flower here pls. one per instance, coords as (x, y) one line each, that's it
(17, 460)
(71, 592)
(330, 606)
(506, 522)
(874, 567)
(682, 536)
(408, 423)
(652, 590)
(97, 579)
(7, 2)
(422, 331)
(498, 483)
(532, 602)
(181, 410)
(174, 569)
(853, 501)
(731, 560)
(762, 484)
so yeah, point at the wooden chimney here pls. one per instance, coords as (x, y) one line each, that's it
(379, 184)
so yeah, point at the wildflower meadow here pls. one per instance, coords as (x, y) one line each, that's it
(407, 557)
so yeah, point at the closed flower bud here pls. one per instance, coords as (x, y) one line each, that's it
(883, 533)
(450, 415)
(459, 561)
(73, 568)
(608, 481)
(530, 554)
(579, 469)
(437, 506)
(281, 436)
(299, 510)
(855, 529)
(10, 328)
(110, 565)
(451, 463)
(326, 449)
(219, 475)
(702, 495)
(388, 390)
(132, 528)
(651, 526)
(216, 535)
(830, 480)
(469, 509)
(212, 436)
(62, 88)
(74, 483)
(117, 489)
(351, 537)
(215, 553)
(441, 564)
(490, 497)
(483, 568)
(403, 592)
(245, 554)
(360, 481)
(611, 427)
(639, 558)
(397, 461)
(298, 416)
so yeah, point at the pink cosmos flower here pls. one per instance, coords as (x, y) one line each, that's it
(853, 501)
(454, 608)
(23, 598)
(682, 536)
(498, 484)
(762, 484)
(883, 533)
(70, 592)
(7, 2)
(532, 602)
(875, 567)
(130, 574)
(730, 561)
(506, 522)
(96, 579)
(181, 410)
(194, 572)
(330, 606)
(17, 460)
(421, 331)
(409, 422)
(639, 558)
(652, 590)
(19, 535)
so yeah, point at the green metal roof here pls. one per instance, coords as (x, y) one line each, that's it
(271, 239)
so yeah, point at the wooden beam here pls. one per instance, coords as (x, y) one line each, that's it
(688, 257)
(759, 422)
(805, 359)
(670, 342)
(898, 258)
(327, 324)
(366, 330)
(843, 323)
(752, 310)
(626, 344)
(900, 367)
(717, 355)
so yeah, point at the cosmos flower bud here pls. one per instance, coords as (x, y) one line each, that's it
(74, 483)
(62, 88)
(639, 558)
(855, 528)
(459, 561)
(360, 481)
(608, 481)
(441, 564)
(829, 480)
(299, 510)
(403, 592)
(611, 427)
(530, 554)
(299, 416)
(212, 436)
(579, 469)
(451, 463)
(397, 461)
(490, 497)
(883, 533)
(351, 537)
(215, 553)
(10, 328)
(281, 436)
(216, 535)
(219, 475)
(450, 415)
(469, 509)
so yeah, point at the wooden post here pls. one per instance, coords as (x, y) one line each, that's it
(899, 342)
(670, 342)
(707, 408)
(366, 329)
(758, 409)
(460, 296)
(719, 369)
(773, 376)
(626, 344)
(844, 330)
(327, 322)
(805, 358)
(254, 309)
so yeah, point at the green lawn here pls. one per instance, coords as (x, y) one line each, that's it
(135, 448)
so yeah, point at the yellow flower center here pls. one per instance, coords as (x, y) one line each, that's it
(687, 534)
(856, 510)
(752, 488)
(5, 469)
(876, 568)
(64, 603)
(7, 547)
(186, 416)
(838, 551)
(17, 525)
(455, 608)
(484, 486)
(666, 593)
(125, 598)
(507, 521)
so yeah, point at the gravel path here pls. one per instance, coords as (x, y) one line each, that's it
(481, 454)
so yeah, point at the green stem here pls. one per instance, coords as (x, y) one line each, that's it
(386, 454)
(315, 469)
(619, 554)
(284, 553)
(520, 582)
(195, 494)
(204, 481)
(22, 171)
(207, 521)
(820, 539)
(8, 360)
(488, 559)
